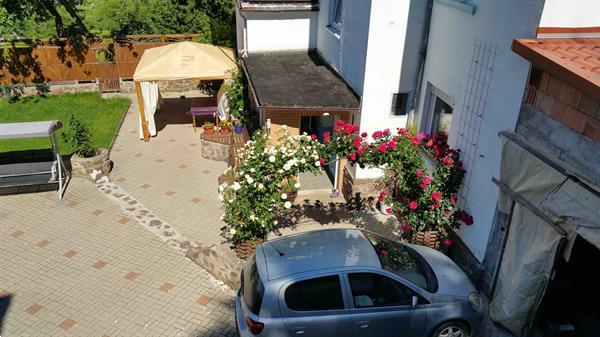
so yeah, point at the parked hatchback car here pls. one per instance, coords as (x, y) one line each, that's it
(353, 283)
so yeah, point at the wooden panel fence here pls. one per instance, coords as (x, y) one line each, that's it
(58, 60)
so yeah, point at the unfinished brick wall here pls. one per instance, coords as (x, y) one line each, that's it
(563, 102)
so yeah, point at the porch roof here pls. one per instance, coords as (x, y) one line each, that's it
(300, 80)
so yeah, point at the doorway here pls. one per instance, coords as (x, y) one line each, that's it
(318, 125)
(571, 305)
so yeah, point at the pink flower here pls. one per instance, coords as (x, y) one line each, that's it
(382, 148)
(352, 156)
(413, 205)
(326, 136)
(448, 161)
(422, 136)
(430, 143)
(391, 144)
(423, 186)
(415, 141)
(322, 161)
(377, 134)
(360, 151)
(386, 132)
(402, 131)
(453, 199)
(357, 142)
(448, 243)
(436, 195)
(435, 205)
(419, 172)
(426, 180)
(313, 136)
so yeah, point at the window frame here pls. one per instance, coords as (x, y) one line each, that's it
(291, 312)
(335, 26)
(427, 115)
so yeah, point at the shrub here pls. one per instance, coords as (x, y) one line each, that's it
(78, 135)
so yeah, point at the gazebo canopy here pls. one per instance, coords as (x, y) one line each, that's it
(185, 60)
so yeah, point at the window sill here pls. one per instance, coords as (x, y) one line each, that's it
(464, 6)
(334, 31)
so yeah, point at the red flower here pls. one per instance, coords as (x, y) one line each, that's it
(384, 252)
(426, 180)
(430, 143)
(436, 195)
(402, 131)
(352, 156)
(382, 148)
(466, 218)
(364, 135)
(419, 172)
(391, 144)
(453, 199)
(423, 186)
(357, 142)
(406, 227)
(448, 243)
(340, 122)
(382, 195)
(349, 129)
(415, 141)
(326, 136)
(413, 205)
(422, 136)
(448, 161)
(386, 132)
(377, 134)
(435, 205)
(322, 161)
(388, 210)
(313, 136)
(360, 151)
(447, 213)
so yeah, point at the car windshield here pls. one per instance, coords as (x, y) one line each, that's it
(403, 261)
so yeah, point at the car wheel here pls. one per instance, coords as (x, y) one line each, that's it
(452, 329)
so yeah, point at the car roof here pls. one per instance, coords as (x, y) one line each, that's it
(322, 249)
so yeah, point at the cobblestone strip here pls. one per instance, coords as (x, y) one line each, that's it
(144, 216)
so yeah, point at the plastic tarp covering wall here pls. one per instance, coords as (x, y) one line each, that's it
(525, 270)
(532, 244)
(151, 99)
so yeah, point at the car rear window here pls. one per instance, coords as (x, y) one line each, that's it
(321, 293)
(252, 286)
(403, 261)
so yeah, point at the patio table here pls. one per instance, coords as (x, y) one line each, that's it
(197, 110)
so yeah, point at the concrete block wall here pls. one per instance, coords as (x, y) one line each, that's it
(564, 103)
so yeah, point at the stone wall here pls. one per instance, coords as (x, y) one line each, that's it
(353, 189)
(83, 167)
(214, 151)
(219, 261)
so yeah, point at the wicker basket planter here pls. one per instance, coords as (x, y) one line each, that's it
(428, 239)
(244, 248)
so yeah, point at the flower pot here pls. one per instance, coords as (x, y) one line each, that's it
(239, 129)
(82, 167)
(209, 130)
(385, 209)
(428, 239)
(244, 248)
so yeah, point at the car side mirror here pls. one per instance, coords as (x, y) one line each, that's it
(415, 301)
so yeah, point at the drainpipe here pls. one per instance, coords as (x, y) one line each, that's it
(423, 54)
(244, 30)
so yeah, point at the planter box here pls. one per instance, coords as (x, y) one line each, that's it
(82, 167)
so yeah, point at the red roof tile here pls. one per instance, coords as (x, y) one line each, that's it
(575, 60)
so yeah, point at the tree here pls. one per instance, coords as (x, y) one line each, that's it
(48, 9)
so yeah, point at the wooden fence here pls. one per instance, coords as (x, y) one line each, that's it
(59, 60)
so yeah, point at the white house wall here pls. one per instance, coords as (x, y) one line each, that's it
(571, 13)
(452, 40)
(269, 31)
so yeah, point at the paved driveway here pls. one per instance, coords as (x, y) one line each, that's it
(80, 267)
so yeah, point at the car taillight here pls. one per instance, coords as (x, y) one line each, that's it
(254, 326)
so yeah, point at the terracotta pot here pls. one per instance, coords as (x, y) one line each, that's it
(291, 197)
(209, 130)
(225, 131)
(428, 239)
(244, 248)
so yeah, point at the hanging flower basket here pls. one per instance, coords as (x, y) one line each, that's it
(246, 247)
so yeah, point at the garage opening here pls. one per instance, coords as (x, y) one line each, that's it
(571, 307)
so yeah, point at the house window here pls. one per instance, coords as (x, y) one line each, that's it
(400, 103)
(335, 20)
(437, 112)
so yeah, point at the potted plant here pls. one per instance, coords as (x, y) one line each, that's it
(238, 127)
(86, 158)
(225, 127)
(208, 127)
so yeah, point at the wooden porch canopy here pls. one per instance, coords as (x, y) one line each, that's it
(286, 86)
(177, 61)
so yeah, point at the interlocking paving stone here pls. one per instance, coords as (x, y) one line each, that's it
(67, 324)
(70, 253)
(43, 243)
(17, 233)
(33, 309)
(100, 264)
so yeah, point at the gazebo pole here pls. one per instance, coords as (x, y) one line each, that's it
(145, 131)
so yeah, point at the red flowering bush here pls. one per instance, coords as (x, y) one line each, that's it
(423, 200)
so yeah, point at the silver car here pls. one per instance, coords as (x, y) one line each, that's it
(348, 282)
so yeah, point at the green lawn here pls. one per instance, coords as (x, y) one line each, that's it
(102, 116)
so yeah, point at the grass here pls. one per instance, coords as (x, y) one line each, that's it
(101, 115)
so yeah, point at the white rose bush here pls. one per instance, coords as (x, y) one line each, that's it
(266, 177)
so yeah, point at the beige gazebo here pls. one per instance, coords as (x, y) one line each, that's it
(177, 61)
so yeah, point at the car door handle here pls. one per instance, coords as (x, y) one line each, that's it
(299, 330)
(363, 324)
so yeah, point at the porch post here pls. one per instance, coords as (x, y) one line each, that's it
(145, 131)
